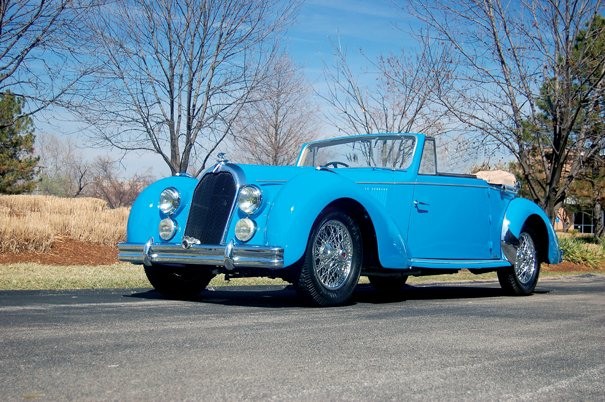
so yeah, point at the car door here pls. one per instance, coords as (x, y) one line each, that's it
(450, 216)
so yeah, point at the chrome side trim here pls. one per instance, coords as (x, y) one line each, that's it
(457, 264)
(450, 184)
(414, 183)
(230, 256)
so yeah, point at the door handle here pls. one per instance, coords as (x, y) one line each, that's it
(421, 206)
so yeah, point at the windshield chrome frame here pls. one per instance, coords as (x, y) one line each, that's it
(352, 138)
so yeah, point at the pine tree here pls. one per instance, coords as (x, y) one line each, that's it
(18, 165)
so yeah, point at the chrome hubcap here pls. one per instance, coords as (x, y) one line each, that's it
(526, 262)
(333, 254)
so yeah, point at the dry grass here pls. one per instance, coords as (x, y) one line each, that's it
(33, 223)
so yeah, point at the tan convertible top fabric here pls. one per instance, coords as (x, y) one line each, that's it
(497, 177)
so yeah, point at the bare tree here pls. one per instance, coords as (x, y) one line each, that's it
(401, 99)
(107, 185)
(39, 46)
(177, 73)
(64, 172)
(279, 119)
(511, 57)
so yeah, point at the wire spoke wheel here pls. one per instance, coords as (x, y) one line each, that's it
(333, 254)
(526, 265)
(331, 265)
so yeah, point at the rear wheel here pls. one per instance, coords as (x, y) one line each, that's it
(332, 261)
(178, 283)
(521, 279)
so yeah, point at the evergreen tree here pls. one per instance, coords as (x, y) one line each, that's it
(18, 165)
(590, 185)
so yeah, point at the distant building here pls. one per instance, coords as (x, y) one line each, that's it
(577, 218)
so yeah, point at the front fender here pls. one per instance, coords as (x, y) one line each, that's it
(300, 202)
(521, 211)
(145, 215)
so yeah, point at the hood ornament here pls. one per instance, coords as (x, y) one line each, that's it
(221, 159)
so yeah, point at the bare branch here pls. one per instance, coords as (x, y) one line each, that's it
(176, 72)
(402, 98)
(519, 81)
(278, 119)
(40, 43)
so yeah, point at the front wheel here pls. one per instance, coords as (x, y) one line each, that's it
(521, 279)
(332, 261)
(178, 283)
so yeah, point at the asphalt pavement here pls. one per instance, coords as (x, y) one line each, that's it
(462, 341)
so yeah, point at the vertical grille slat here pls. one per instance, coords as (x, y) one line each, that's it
(210, 208)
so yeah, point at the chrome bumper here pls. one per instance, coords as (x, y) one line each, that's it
(229, 256)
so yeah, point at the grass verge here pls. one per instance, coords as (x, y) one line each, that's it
(28, 276)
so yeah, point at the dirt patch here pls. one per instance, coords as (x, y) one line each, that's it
(567, 266)
(67, 252)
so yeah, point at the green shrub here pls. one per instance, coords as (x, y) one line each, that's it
(580, 251)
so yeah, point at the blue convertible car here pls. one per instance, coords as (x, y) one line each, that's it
(370, 205)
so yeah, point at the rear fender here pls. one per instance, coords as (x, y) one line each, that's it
(521, 213)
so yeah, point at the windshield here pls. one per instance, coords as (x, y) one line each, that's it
(385, 151)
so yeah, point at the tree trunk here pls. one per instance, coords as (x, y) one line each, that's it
(599, 229)
(550, 208)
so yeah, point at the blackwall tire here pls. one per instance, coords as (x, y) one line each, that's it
(332, 262)
(521, 279)
(178, 283)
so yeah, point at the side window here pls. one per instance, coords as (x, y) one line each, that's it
(428, 164)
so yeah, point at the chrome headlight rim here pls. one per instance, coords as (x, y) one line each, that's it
(245, 229)
(170, 200)
(167, 229)
(249, 199)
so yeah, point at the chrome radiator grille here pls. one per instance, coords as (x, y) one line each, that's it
(210, 208)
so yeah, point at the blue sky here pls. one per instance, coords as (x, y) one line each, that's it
(365, 29)
(372, 27)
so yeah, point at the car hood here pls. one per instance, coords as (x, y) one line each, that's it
(250, 174)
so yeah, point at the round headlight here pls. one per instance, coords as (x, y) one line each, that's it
(244, 229)
(170, 199)
(167, 228)
(249, 199)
